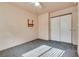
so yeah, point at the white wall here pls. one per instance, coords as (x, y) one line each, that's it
(78, 28)
(13, 26)
(43, 26)
(72, 10)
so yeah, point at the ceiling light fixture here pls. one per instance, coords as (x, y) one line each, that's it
(37, 4)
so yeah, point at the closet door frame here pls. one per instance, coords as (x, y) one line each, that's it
(60, 16)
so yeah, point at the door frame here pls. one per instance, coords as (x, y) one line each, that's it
(49, 22)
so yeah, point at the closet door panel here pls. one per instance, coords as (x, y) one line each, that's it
(55, 29)
(65, 28)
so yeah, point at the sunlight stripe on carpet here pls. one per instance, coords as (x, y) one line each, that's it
(37, 51)
(54, 52)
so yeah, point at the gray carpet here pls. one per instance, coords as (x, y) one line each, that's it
(70, 50)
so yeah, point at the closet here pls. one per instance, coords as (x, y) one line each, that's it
(60, 28)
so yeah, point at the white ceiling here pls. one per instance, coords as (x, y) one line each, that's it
(46, 6)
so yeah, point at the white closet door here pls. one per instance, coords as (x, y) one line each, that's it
(54, 29)
(65, 28)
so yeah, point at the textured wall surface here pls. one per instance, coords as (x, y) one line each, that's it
(13, 26)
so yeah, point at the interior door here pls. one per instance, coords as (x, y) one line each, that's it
(55, 29)
(65, 30)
